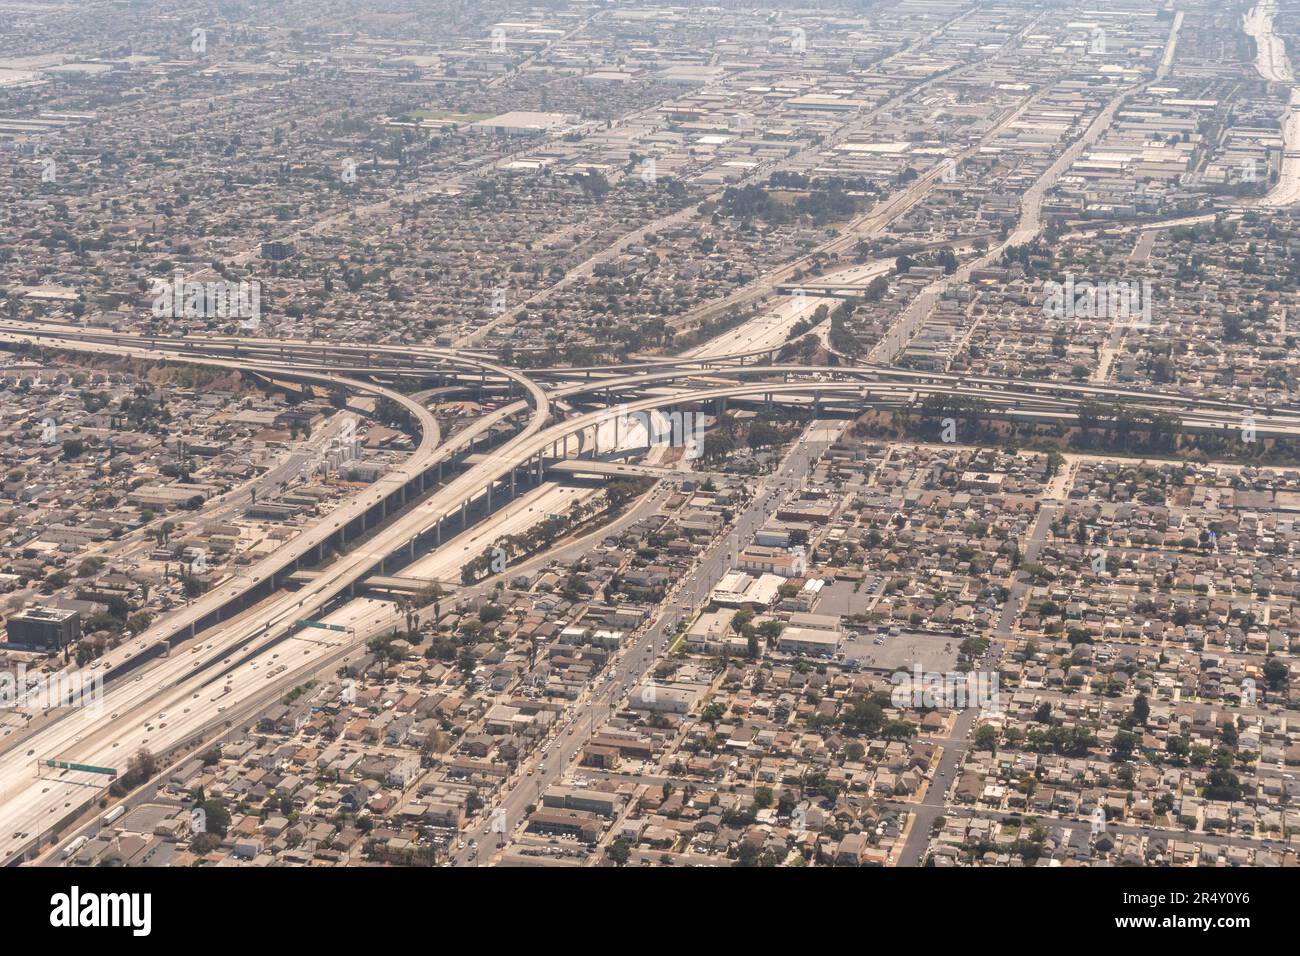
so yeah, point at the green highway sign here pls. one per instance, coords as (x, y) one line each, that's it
(88, 768)
(321, 624)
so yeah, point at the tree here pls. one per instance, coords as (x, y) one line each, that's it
(216, 817)
(1223, 785)
(762, 435)
(897, 730)
(1125, 743)
(620, 851)
(986, 738)
(139, 769)
(90, 567)
(384, 650)
(718, 445)
(865, 716)
(1141, 710)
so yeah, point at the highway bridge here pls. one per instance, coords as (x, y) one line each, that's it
(557, 415)
(471, 368)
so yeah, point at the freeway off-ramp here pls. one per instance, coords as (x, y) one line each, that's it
(27, 806)
(185, 687)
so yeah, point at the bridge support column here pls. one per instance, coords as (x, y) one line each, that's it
(489, 496)
(464, 514)
(512, 482)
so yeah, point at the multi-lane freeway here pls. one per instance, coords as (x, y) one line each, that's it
(245, 629)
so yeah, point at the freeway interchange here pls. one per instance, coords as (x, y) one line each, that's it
(232, 651)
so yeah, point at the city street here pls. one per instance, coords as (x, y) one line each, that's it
(637, 659)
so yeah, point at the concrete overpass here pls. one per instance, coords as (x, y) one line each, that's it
(357, 515)
(497, 471)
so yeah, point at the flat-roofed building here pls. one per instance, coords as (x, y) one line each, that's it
(804, 640)
(44, 628)
(521, 123)
(580, 824)
(573, 798)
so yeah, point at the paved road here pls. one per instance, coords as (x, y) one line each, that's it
(955, 749)
(1022, 580)
(627, 671)
(1027, 228)
(932, 806)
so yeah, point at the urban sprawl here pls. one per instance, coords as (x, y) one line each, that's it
(602, 434)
